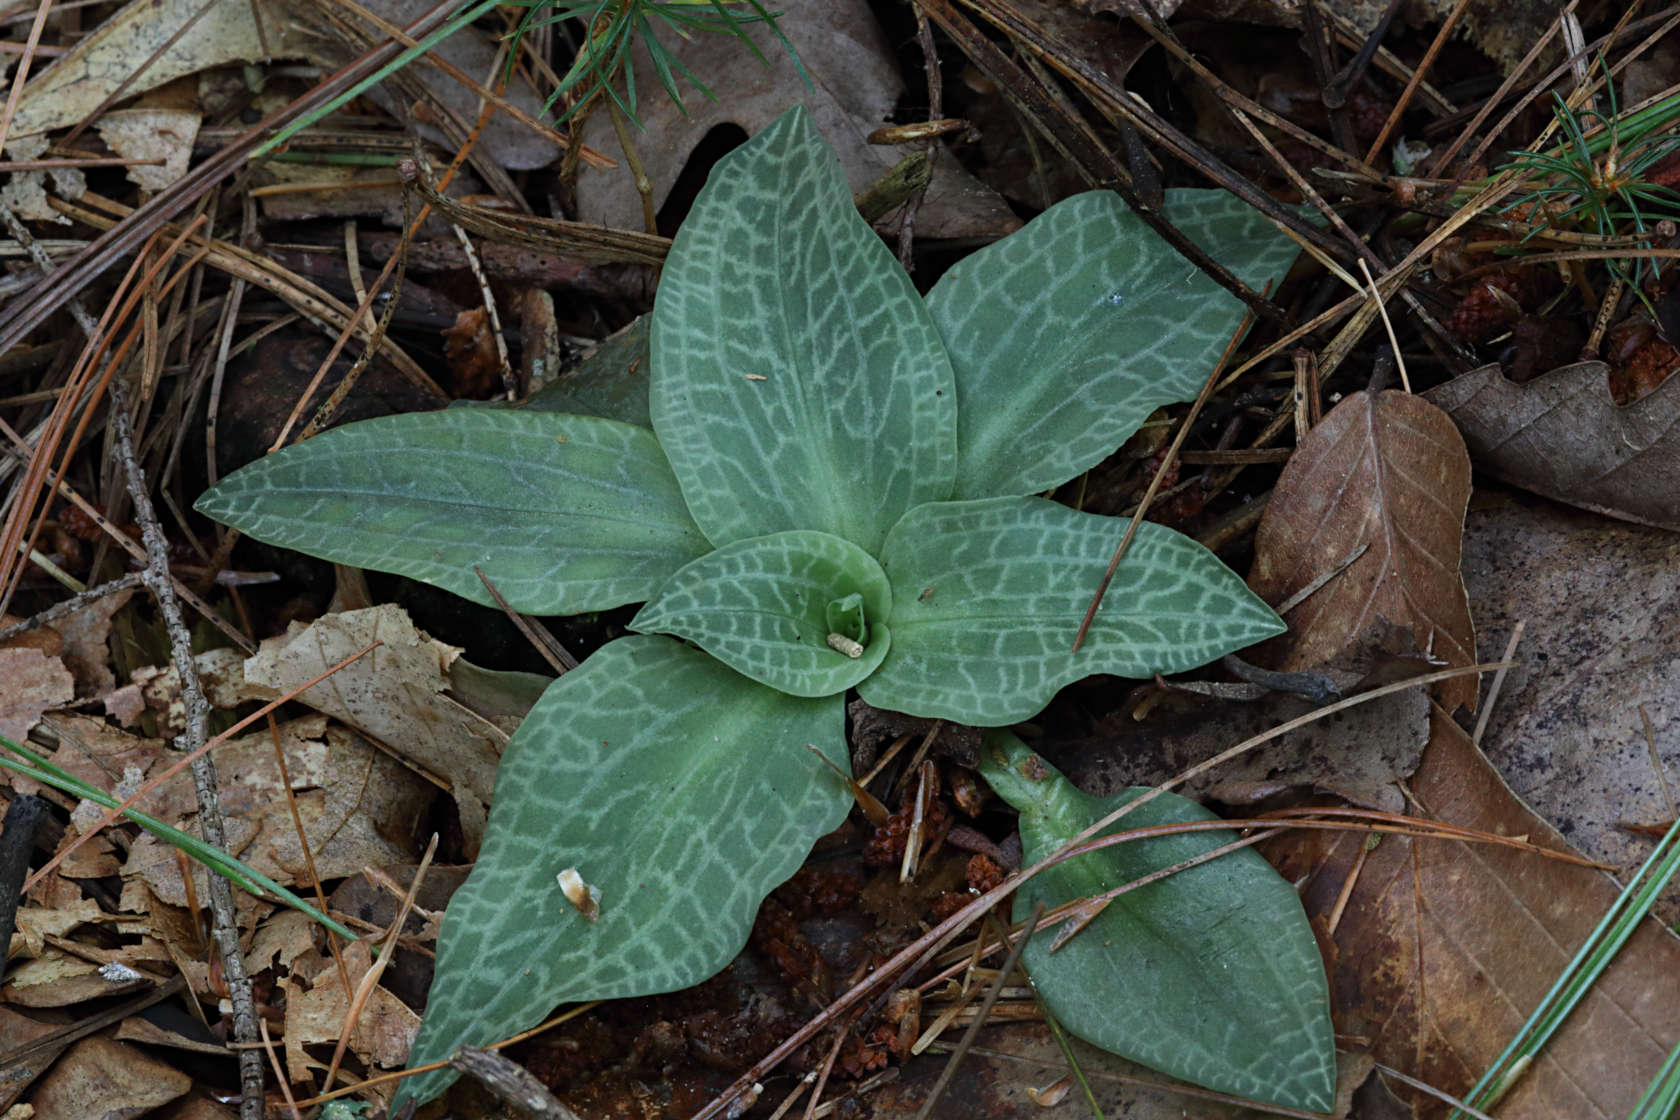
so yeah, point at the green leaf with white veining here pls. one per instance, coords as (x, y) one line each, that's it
(563, 513)
(678, 788)
(1067, 333)
(988, 594)
(1211, 974)
(798, 379)
(761, 606)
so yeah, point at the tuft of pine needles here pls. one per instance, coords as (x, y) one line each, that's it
(1596, 180)
(613, 27)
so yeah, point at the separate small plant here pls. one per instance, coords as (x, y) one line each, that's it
(836, 494)
(613, 27)
(1599, 183)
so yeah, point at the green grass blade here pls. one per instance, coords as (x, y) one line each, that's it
(403, 59)
(45, 771)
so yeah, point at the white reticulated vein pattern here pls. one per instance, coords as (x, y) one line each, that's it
(563, 513)
(798, 380)
(1066, 334)
(988, 594)
(1211, 974)
(681, 790)
(760, 606)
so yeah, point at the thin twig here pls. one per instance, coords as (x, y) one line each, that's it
(936, 110)
(986, 1005)
(1498, 681)
(510, 1082)
(225, 929)
(1155, 483)
(71, 605)
(17, 844)
(1405, 100)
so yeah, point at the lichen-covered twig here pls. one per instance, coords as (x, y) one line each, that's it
(224, 929)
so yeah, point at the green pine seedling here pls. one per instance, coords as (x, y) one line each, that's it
(836, 494)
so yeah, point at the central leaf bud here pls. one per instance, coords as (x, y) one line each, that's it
(846, 618)
(803, 611)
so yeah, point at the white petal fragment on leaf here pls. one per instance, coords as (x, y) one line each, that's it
(988, 594)
(1069, 332)
(798, 379)
(1211, 974)
(683, 790)
(767, 607)
(563, 513)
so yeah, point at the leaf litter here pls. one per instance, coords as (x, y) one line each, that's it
(1435, 951)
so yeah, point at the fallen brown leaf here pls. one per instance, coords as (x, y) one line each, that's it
(87, 643)
(1359, 758)
(1599, 600)
(383, 1031)
(1386, 472)
(396, 694)
(1444, 948)
(100, 1078)
(20, 1030)
(30, 683)
(358, 806)
(857, 86)
(1561, 435)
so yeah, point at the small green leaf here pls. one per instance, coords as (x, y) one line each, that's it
(987, 598)
(763, 607)
(847, 618)
(798, 380)
(611, 380)
(1211, 974)
(1067, 333)
(563, 513)
(680, 790)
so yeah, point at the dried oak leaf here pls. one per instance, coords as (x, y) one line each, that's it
(383, 1031)
(855, 85)
(1562, 435)
(396, 694)
(99, 1077)
(1386, 473)
(30, 683)
(1599, 600)
(1443, 948)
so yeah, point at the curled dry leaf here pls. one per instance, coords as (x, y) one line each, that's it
(383, 1030)
(30, 683)
(358, 805)
(395, 694)
(122, 50)
(1443, 948)
(1563, 436)
(1386, 472)
(857, 85)
(99, 1077)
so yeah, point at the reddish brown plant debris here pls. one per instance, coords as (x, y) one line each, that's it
(983, 873)
(776, 935)
(1643, 372)
(1491, 306)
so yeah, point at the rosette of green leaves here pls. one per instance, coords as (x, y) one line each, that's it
(836, 493)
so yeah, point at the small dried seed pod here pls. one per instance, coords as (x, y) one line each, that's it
(580, 894)
(839, 643)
